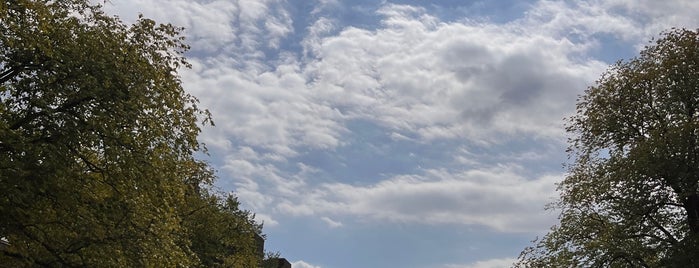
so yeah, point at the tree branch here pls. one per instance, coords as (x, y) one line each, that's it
(655, 223)
(8, 74)
(63, 108)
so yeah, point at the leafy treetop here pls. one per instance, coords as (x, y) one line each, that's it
(97, 145)
(631, 198)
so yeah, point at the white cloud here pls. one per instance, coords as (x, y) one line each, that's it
(322, 5)
(416, 77)
(456, 80)
(266, 220)
(632, 20)
(319, 29)
(331, 223)
(219, 25)
(498, 198)
(415, 74)
(495, 197)
(303, 264)
(273, 110)
(209, 26)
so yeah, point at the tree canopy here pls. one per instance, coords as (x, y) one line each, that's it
(631, 198)
(97, 146)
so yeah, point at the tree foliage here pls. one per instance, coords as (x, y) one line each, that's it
(221, 234)
(631, 198)
(98, 142)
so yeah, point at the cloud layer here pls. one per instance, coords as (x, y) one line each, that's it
(414, 77)
(409, 118)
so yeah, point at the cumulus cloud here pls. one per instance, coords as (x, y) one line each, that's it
(272, 110)
(451, 80)
(266, 220)
(413, 76)
(303, 264)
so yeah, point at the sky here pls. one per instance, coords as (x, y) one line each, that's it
(404, 133)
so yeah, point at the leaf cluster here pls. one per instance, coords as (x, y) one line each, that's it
(97, 146)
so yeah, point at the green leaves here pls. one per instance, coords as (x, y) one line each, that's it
(631, 197)
(97, 144)
(222, 235)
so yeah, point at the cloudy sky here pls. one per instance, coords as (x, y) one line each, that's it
(400, 133)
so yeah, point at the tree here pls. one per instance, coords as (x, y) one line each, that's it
(97, 140)
(223, 235)
(631, 198)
